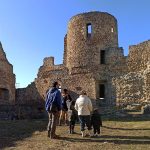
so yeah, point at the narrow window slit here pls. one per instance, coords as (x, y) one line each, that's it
(89, 30)
(102, 56)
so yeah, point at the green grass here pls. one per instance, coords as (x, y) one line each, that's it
(116, 135)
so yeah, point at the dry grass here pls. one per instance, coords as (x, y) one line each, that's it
(116, 135)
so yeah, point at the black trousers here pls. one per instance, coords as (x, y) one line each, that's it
(96, 129)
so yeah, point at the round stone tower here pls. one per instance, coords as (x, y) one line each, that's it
(87, 35)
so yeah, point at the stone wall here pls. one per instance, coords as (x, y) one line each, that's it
(47, 74)
(7, 80)
(139, 56)
(29, 103)
(134, 86)
(28, 95)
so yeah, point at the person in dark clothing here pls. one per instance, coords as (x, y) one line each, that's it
(53, 107)
(72, 116)
(64, 112)
(96, 122)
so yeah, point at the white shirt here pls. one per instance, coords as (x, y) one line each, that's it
(83, 105)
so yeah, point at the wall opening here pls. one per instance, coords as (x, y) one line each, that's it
(112, 29)
(101, 91)
(102, 57)
(4, 94)
(89, 30)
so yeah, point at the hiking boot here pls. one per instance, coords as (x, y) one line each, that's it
(48, 134)
(72, 129)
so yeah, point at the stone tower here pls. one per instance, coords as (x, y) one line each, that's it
(92, 54)
(87, 35)
(91, 58)
(7, 80)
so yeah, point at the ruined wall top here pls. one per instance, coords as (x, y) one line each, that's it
(84, 14)
(2, 53)
(4, 63)
(48, 61)
(139, 56)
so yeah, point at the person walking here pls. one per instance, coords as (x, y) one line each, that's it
(84, 107)
(53, 105)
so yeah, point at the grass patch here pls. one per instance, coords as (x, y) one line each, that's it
(116, 135)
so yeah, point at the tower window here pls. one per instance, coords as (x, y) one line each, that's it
(101, 91)
(112, 29)
(102, 56)
(89, 29)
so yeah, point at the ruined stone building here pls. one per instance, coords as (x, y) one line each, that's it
(91, 58)
(92, 61)
(7, 80)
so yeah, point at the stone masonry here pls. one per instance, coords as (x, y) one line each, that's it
(93, 62)
(82, 67)
(134, 85)
(7, 80)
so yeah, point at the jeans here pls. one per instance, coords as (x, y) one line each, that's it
(85, 120)
(53, 121)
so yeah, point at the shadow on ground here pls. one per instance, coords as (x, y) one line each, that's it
(12, 131)
(112, 139)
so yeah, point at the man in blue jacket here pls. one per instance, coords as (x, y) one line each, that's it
(53, 105)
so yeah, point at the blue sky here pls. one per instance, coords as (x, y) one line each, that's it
(33, 29)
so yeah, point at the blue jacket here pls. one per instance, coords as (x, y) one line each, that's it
(53, 96)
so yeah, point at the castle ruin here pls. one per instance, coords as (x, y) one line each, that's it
(7, 80)
(94, 62)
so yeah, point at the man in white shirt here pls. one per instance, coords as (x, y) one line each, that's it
(84, 107)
